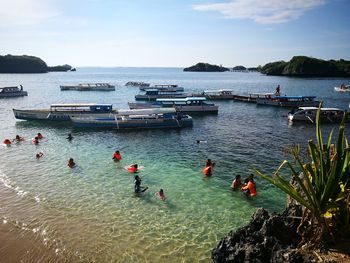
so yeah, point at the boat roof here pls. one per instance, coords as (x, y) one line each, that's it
(262, 93)
(182, 99)
(220, 90)
(79, 105)
(165, 85)
(294, 97)
(316, 108)
(146, 111)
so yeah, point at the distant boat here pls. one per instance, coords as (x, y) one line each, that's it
(63, 112)
(342, 88)
(89, 87)
(251, 97)
(222, 94)
(163, 87)
(308, 114)
(197, 105)
(73, 69)
(288, 101)
(12, 92)
(153, 94)
(137, 119)
(137, 84)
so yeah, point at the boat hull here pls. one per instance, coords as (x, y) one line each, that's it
(183, 109)
(135, 124)
(287, 104)
(220, 97)
(48, 115)
(14, 94)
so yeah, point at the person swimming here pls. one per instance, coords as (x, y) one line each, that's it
(201, 141)
(249, 189)
(236, 183)
(40, 136)
(208, 169)
(70, 137)
(18, 138)
(35, 141)
(133, 168)
(160, 195)
(7, 142)
(117, 156)
(71, 163)
(39, 155)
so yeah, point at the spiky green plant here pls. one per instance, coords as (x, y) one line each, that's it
(323, 182)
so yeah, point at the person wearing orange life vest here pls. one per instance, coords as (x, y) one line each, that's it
(40, 136)
(133, 168)
(7, 142)
(249, 188)
(208, 169)
(117, 156)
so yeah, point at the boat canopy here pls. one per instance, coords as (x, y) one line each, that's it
(76, 105)
(182, 99)
(218, 91)
(166, 85)
(146, 111)
(261, 94)
(316, 108)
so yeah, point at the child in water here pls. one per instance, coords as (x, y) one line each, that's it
(117, 156)
(160, 195)
(133, 168)
(236, 183)
(71, 163)
(18, 138)
(39, 155)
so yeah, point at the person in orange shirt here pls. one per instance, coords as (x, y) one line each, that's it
(40, 136)
(249, 188)
(133, 168)
(117, 156)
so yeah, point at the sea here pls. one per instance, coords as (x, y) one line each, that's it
(91, 214)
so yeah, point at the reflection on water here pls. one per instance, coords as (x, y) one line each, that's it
(90, 213)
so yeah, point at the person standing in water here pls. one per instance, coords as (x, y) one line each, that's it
(160, 195)
(71, 163)
(117, 156)
(137, 185)
(70, 137)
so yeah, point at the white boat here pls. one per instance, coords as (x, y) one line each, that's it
(153, 94)
(184, 105)
(252, 97)
(137, 84)
(342, 88)
(12, 92)
(89, 87)
(288, 101)
(63, 112)
(165, 118)
(308, 114)
(222, 94)
(163, 87)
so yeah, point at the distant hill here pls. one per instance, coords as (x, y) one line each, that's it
(242, 68)
(302, 66)
(27, 64)
(205, 67)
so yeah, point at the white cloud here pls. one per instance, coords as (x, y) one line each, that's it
(262, 11)
(26, 11)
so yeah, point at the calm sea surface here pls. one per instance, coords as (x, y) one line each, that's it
(91, 214)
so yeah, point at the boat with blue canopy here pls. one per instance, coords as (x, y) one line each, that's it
(288, 101)
(165, 118)
(63, 112)
(185, 105)
(153, 94)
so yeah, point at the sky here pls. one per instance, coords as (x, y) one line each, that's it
(174, 33)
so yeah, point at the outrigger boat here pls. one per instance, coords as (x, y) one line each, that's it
(137, 84)
(63, 112)
(222, 94)
(90, 87)
(12, 92)
(165, 118)
(342, 88)
(308, 114)
(153, 94)
(163, 87)
(184, 105)
(251, 97)
(288, 101)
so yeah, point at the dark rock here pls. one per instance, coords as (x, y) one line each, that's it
(62, 68)
(205, 67)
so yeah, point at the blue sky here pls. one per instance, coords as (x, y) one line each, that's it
(174, 33)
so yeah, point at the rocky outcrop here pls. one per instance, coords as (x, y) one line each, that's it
(205, 67)
(27, 64)
(267, 238)
(301, 66)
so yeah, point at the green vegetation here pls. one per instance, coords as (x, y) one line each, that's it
(27, 64)
(308, 67)
(322, 187)
(205, 67)
(22, 64)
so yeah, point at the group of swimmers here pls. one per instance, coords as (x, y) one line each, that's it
(18, 138)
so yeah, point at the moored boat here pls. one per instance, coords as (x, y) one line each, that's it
(184, 105)
(251, 97)
(153, 94)
(12, 92)
(308, 114)
(63, 112)
(165, 118)
(222, 94)
(137, 84)
(89, 87)
(288, 101)
(163, 87)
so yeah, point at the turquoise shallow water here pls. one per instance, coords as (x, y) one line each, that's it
(91, 214)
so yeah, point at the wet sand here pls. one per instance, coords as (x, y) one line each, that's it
(18, 245)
